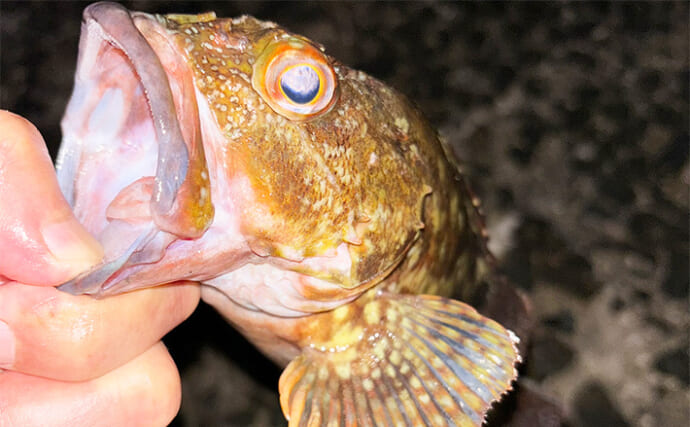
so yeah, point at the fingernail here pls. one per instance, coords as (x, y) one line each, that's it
(7, 346)
(72, 246)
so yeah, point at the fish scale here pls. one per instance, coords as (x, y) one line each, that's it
(332, 230)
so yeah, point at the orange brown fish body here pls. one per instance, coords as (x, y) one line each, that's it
(316, 205)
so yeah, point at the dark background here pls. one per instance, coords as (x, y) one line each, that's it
(572, 120)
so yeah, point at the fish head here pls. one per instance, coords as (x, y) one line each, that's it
(194, 145)
(238, 154)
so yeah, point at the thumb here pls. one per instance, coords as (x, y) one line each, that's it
(41, 242)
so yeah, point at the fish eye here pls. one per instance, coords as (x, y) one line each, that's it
(295, 79)
(300, 83)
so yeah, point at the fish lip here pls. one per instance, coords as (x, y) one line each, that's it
(115, 25)
(111, 32)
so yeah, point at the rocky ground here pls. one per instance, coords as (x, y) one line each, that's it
(572, 121)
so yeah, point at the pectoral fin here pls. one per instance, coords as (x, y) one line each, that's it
(403, 360)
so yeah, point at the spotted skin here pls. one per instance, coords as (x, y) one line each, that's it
(358, 211)
(343, 190)
(399, 360)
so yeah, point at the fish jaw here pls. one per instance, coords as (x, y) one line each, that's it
(132, 162)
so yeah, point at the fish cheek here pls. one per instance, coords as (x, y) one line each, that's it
(297, 200)
(385, 187)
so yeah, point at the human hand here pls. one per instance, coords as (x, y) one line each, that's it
(72, 360)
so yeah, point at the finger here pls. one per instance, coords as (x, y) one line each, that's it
(40, 240)
(74, 338)
(145, 392)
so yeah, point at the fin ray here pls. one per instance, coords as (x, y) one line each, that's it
(410, 407)
(419, 360)
(468, 327)
(442, 414)
(460, 374)
(442, 377)
(468, 354)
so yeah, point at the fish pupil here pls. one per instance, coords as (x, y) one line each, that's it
(300, 84)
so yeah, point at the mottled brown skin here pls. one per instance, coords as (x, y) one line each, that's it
(328, 179)
(342, 224)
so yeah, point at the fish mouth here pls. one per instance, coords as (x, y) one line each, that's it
(131, 163)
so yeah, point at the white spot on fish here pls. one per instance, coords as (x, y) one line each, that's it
(402, 124)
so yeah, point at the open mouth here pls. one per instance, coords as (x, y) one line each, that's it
(132, 163)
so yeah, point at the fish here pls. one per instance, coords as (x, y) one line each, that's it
(320, 211)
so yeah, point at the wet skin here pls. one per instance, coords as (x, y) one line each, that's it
(319, 209)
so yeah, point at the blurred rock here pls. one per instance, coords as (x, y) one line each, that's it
(547, 355)
(594, 408)
(562, 321)
(675, 362)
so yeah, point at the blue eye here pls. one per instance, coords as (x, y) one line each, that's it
(300, 83)
(295, 79)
